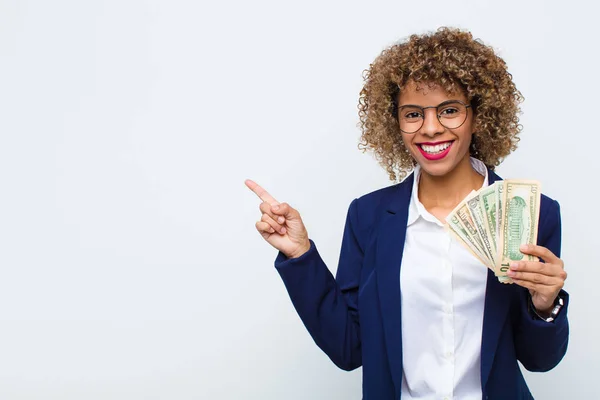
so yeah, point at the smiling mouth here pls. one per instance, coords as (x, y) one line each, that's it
(435, 148)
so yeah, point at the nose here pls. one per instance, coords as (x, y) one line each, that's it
(431, 124)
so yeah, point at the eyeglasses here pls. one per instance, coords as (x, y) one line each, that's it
(451, 114)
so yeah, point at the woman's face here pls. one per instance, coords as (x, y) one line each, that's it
(437, 148)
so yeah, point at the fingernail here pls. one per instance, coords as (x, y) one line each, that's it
(282, 230)
(524, 247)
(514, 265)
(281, 220)
(511, 273)
(275, 207)
(272, 230)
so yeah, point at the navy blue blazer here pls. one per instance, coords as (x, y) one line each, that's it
(355, 318)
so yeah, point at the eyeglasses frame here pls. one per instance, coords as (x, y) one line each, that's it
(399, 108)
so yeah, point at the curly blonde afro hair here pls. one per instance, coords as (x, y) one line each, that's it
(451, 59)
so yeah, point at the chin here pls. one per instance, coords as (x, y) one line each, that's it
(438, 169)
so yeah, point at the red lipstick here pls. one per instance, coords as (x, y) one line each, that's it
(437, 156)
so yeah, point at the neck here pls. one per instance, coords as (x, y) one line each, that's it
(445, 192)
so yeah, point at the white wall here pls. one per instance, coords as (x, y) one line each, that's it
(130, 265)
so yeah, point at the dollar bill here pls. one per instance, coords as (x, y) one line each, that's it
(475, 211)
(518, 223)
(467, 221)
(493, 222)
(460, 232)
(488, 207)
(499, 198)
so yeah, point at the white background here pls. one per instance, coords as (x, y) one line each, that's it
(130, 265)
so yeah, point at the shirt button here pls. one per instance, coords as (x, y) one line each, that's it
(449, 354)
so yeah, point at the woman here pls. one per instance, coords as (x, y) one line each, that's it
(420, 314)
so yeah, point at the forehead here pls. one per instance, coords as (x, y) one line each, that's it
(426, 94)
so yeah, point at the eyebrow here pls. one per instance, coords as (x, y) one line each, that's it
(416, 105)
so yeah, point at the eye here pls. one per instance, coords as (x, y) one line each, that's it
(452, 110)
(412, 114)
(449, 111)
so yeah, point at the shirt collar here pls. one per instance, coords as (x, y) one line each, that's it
(416, 208)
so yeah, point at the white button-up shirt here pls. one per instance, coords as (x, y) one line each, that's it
(443, 295)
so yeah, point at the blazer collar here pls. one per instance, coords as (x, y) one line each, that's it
(495, 310)
(391, 234)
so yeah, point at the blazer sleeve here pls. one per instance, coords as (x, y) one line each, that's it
(329, 308)
(540, 345)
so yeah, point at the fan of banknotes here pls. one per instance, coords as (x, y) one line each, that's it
(493, 222)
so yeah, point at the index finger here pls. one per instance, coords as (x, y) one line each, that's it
(260, 192)
(539, 251)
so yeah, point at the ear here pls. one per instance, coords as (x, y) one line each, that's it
(475, 102)
(474, 121)
(405, 139)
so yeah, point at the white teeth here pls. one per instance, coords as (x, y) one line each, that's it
(435, 149)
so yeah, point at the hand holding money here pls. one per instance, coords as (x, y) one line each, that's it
(498, 224)
(544, 280)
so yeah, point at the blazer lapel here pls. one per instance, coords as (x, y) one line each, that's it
(389, 250)
(497, 300)
(390, 247)
(496, 306)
